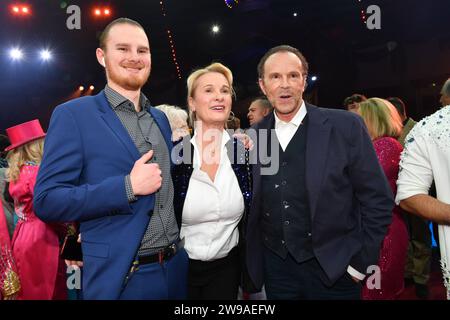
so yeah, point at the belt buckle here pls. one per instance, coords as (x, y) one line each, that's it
(167, 252)
(171, 251)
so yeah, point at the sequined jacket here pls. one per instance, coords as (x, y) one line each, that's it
(181, 175)
(406, 129)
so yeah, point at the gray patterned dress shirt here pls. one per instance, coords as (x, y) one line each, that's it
(146, 135)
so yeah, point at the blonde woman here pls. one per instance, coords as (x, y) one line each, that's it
(212, 189)
(384, 125)
(35, 244)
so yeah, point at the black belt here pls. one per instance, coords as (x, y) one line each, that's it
(164, 254)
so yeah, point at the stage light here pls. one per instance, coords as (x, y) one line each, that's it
(20, 10)
(91, 87)
(81, 88)
(16, 54)
(45, 55)
(295, 14)
(215, 28)
(102, 12)
(313, 78)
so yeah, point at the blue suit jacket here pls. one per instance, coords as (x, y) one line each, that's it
(87, 154)
(349, 197)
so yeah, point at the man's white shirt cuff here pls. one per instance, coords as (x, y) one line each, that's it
(355, 273)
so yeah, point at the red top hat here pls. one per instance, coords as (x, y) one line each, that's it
(24, 133)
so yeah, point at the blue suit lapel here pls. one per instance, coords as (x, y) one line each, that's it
(113, 122)
(316, 153)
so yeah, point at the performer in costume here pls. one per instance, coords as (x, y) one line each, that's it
(35, 244)
(426, 157)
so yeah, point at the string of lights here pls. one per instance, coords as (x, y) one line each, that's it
(171, 42)
(362, 12)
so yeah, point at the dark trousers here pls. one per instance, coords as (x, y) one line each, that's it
(214, 280)
(289, 280)
(155, 281)
(418, 263)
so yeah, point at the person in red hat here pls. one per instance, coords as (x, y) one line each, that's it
(35, 244)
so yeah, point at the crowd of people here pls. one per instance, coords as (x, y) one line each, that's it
(307, 203)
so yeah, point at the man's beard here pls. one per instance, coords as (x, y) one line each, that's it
(131, 83)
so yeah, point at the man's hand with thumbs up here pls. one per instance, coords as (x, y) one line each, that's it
(145, 177)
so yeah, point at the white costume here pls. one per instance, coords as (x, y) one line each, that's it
(426, 157)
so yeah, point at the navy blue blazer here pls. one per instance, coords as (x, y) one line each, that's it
(87, 155)
(349, 197)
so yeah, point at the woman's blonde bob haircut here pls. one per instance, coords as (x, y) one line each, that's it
(192, 83)
(381, 118)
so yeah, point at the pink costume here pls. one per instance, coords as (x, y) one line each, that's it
(393, 250)
(35, 245)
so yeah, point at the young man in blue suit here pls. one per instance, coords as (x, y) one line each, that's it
(107, 165)
(317, 222)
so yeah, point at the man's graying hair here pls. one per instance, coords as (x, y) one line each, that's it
(282, 48)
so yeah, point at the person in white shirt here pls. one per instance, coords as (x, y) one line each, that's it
(316, 224)
(426, 157)
(212, 188)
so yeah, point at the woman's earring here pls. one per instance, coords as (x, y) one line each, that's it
(232, 116)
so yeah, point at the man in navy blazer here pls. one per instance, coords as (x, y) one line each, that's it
(319, 216)
(107, 165)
